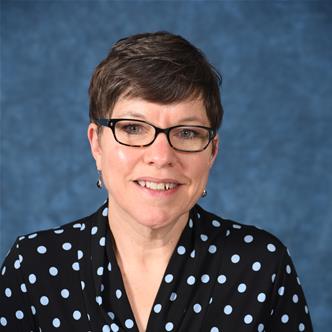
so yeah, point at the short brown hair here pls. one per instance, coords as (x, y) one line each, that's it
(158, 67)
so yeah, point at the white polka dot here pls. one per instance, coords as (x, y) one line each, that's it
(214, 329)
(3, 271)
(106, 328)
(191, 280)
(32, 236)
(102, 241)
(44, 300)
(298, 280)
(205, 278)
(248, 238)
(105, 212)
(212, 249)
(261, 297)
(169, 326)
(181, 250)
(8, 292)
(204, 237)
(228, 310)
(82, 284)
(301, 327)
(79, 254)
(157, 308)
(288, 269)
(306, 309)
(76, 266)
(32, 278)
(191, 224)
(284, 318)
(94, 230)
(19, 314)
(197, 308)
(3, 321)
(260, 328)
(76, 315)
(193, 254)
(41, 250)
(242, 288)
(173, 297)
(114, 327)
(33, 310)
(100, 271)
(281, 291)
(235, 258)
(256, 266)
(295, 298)
(271, 247)
(111, 315)
(53, 271)
(248, 319)
(56, 322)
(273, 278)
(65, 293)
(118, 293)
(66, 246)
(129, 323)
(17, 264)
(236, 226)
(58, 231)
(216, 223)
(221, 279)
(228, 232)
(77, 225)
(20, 258)
(23, 288)
(168, 278)
(109, 267)
(99, 300)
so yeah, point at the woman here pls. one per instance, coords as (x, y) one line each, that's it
(151, 259)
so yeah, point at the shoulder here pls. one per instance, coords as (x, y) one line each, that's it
(51, 245)
(241, 242)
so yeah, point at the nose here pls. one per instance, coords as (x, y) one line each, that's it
(160, 153)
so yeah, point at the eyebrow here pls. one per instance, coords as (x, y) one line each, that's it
(143, 117)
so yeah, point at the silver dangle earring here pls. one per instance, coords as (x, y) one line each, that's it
(204, 193)
(99, 183)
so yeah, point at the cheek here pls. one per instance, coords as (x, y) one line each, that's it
(118, 160)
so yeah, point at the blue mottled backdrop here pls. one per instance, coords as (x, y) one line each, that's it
(275, 163)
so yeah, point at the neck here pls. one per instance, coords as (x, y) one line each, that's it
(140, 245)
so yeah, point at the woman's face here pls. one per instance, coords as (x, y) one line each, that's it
(131, 174)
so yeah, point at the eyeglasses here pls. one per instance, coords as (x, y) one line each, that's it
(139, 133)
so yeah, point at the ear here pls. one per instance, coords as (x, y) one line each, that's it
(95, 146)
(215, 149)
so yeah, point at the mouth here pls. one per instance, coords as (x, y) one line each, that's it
(158, 186)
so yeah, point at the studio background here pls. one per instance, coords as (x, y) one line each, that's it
(275, 160)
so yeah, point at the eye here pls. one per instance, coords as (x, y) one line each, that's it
(187, 133)
(131, 128)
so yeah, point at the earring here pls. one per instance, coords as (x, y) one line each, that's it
(204, 193)
(99, 183)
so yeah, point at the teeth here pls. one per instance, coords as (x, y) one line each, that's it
(157, 186)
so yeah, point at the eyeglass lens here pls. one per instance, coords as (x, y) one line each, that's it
(137, 133)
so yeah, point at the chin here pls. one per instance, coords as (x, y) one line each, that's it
(156, 217)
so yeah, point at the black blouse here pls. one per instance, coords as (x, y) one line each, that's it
(222, 276)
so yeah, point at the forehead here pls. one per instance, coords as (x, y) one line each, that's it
(192, 110)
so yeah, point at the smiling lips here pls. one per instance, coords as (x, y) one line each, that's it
(157, 185)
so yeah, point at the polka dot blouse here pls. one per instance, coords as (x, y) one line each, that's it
(222, 277)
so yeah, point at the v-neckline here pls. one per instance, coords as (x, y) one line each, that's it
(158, 300)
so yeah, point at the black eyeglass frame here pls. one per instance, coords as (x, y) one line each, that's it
(110, 123)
